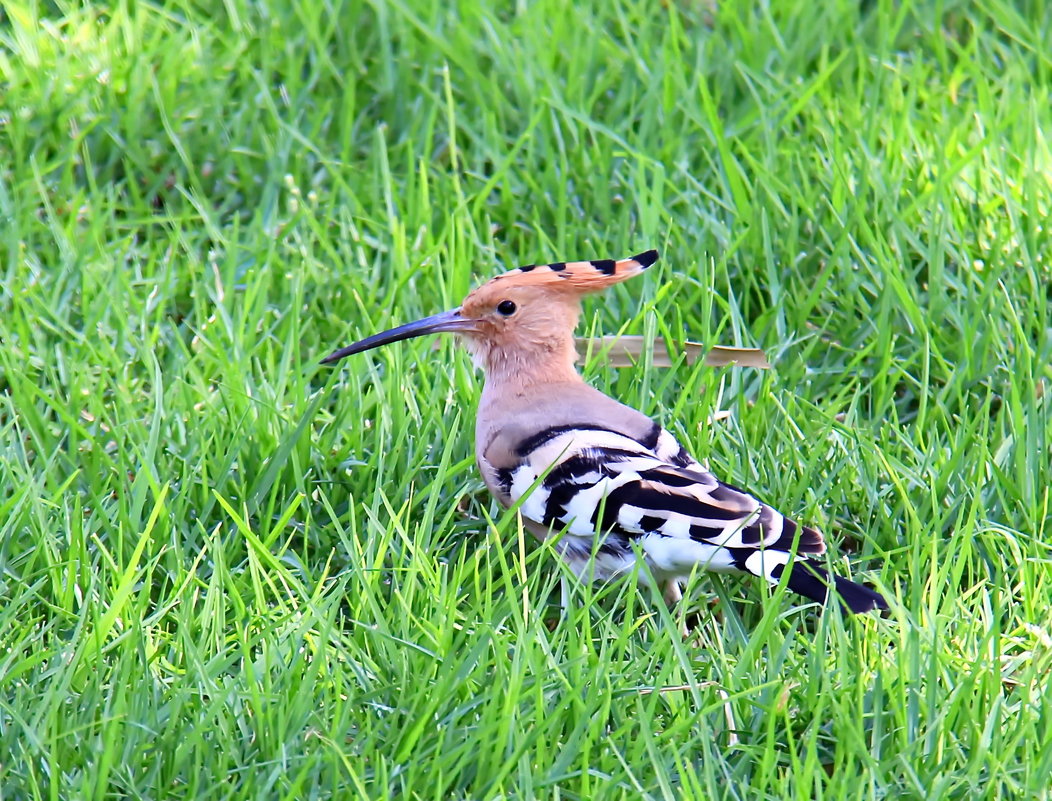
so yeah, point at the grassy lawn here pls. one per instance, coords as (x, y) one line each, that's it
(229, 573)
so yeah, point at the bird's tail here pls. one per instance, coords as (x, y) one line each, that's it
(813, 581)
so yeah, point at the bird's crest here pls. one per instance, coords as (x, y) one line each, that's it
(578, 276)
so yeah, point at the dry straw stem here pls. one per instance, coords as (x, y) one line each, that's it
(629, 350)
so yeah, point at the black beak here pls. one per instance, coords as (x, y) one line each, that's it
(446, 321)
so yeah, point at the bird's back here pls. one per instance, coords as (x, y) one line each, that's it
(580, 461)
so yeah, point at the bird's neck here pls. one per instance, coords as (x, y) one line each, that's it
(519, 372)
(516, 385)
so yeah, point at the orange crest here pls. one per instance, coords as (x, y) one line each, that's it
(579, 276)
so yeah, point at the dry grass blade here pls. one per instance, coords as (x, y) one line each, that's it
(627, 351)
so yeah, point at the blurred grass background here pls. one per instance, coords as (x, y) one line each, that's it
(228, 573)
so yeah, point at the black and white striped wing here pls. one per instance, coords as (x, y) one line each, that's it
(594, 483)
(608, 491)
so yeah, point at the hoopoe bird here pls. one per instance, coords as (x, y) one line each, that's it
(606, 477)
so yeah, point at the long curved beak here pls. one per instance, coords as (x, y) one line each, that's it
(446, 321)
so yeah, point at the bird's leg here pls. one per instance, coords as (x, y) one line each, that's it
(673, 593)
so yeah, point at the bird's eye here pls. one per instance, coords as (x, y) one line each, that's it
(506, 307)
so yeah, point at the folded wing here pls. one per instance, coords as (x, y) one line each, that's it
(595, 482)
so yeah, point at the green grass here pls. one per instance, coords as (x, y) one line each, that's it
(227, 573)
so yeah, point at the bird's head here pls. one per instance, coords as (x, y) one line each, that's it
(521, 320)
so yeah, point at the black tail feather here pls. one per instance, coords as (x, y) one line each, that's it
(812, 581)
